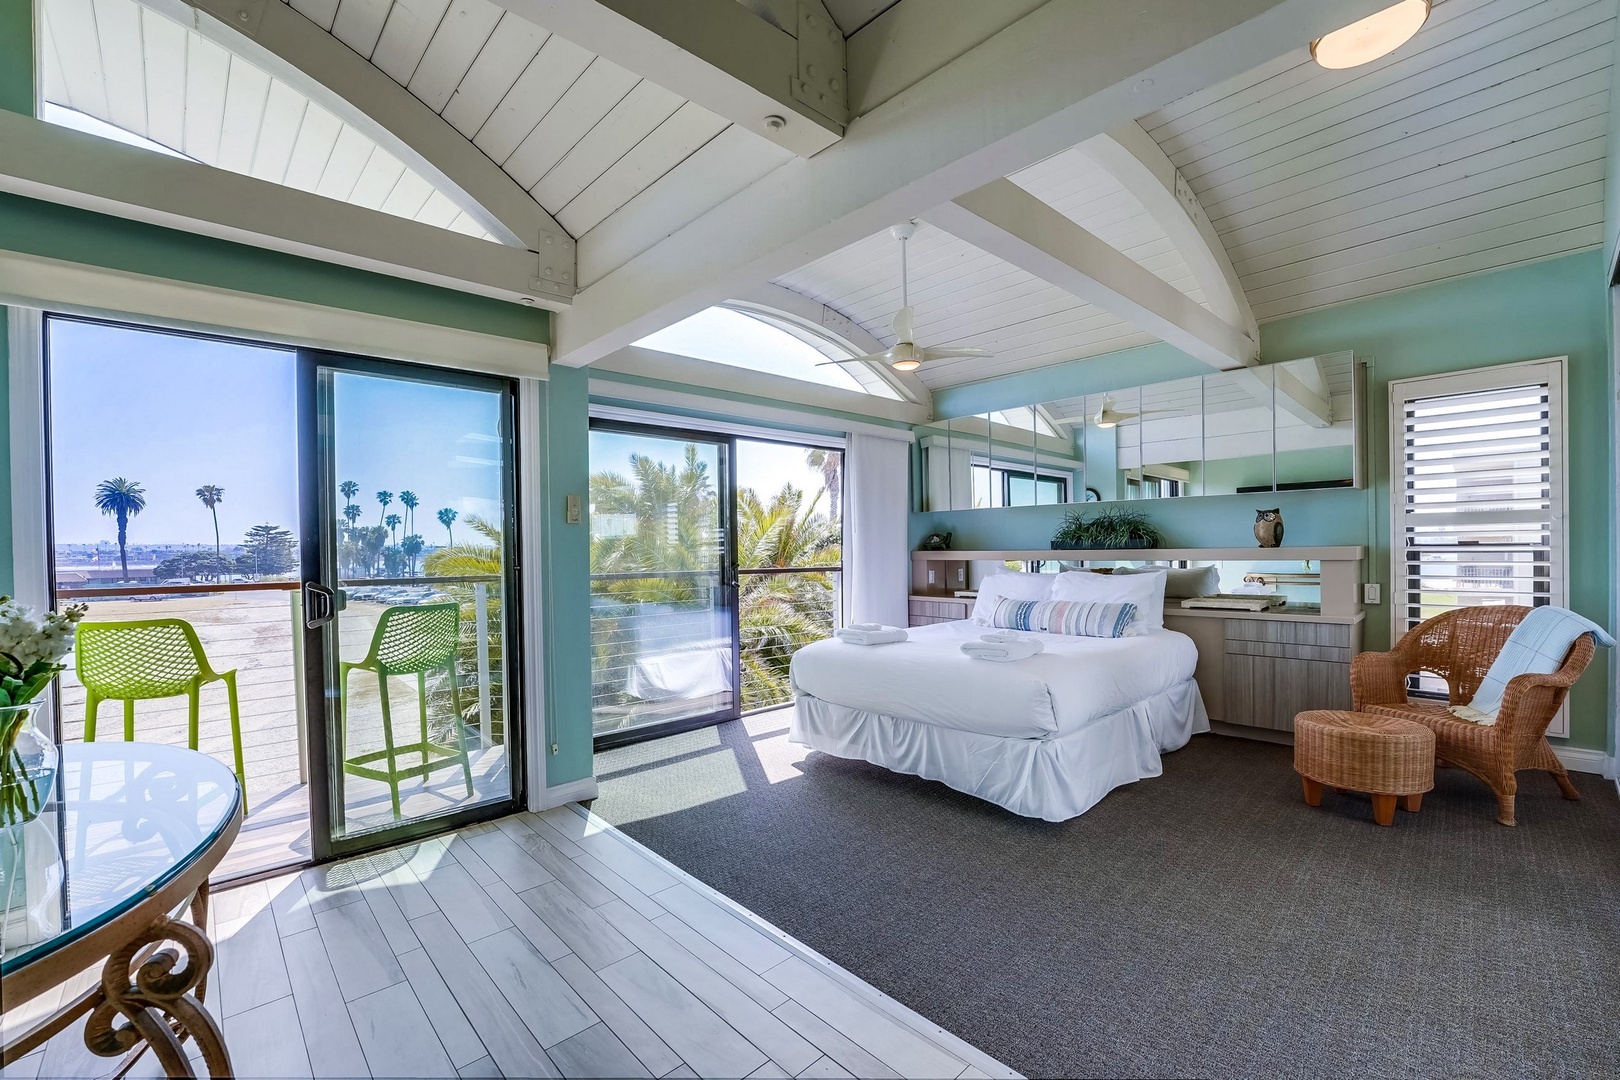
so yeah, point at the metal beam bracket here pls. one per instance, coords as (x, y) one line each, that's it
(820, 82)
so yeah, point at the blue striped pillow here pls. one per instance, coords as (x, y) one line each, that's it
(1072, 617)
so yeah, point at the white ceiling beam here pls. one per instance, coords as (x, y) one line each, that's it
(1008, 222)
(1062, 74)
(56, 164)
(720, 55)
(289, 46)
(1133, 158)
(1300, 400)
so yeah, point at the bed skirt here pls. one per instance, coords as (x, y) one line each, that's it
(1054, 779)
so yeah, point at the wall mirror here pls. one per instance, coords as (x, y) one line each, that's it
(1278, 427)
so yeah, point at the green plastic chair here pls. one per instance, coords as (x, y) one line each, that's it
(146, 659)
(409, 640)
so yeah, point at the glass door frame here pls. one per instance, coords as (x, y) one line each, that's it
(726, 495)
(318, 564)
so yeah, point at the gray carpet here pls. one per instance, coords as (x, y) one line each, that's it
(1204, 923)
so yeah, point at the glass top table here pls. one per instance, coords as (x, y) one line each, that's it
(124, 821)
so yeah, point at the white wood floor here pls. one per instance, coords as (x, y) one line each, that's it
(543, 945)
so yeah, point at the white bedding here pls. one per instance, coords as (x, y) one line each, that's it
(1045, 737)
(1076, 681)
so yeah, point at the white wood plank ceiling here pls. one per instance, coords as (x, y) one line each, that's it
(1477, 146)
(142, 72)
(582, 135)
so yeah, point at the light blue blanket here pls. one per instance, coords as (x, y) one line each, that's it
(1537, 646)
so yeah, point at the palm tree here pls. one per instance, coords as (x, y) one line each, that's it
(831, 464)
(409, 501)
(384, 497)
(392, 521)
(447, 518)
(412, 546)
(122, 499)
(212, 495)
(351, 513)
(780, 613)
(349, 489)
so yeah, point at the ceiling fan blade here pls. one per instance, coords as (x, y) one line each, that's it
(902, 324)
(944, 354)
(869, 358)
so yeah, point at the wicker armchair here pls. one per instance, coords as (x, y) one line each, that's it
(1459, 646)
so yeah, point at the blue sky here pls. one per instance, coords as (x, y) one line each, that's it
(174, 413)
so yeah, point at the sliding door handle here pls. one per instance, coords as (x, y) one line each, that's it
(320, 604)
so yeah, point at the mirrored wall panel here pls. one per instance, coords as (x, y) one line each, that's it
(1279, 427)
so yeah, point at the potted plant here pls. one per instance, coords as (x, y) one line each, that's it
(1112, 529)
(31, 652)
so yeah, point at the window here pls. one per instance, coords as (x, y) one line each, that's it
(997, 486)
(162, 84)
(758, 342)
(1478, 515)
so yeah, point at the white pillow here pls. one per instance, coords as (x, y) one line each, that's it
(1145, 590)
(1011, 585)
(1182, 583)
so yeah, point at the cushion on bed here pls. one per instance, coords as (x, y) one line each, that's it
(1010, 585)
(1145, 591)
(1182, 583)
(1064, 617)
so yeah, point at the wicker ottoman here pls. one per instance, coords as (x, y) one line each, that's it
(1351, 751)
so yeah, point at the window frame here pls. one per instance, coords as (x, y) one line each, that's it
(1553, 372)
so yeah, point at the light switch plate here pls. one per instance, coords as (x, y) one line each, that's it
(571, 509)
(1372, 593)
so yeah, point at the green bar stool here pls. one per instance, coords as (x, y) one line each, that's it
(146, 659)
(411, 639)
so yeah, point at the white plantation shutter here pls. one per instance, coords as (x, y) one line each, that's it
(1478, 515)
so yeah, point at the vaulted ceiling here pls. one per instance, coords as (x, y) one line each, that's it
(1477, 146)
(1282, 186)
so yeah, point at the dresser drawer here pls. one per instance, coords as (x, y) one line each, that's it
(1282, 632)
(1288, 651)
(926, 610)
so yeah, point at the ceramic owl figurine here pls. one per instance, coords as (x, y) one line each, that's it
(1268, 527)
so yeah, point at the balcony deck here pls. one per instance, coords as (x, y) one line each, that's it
(252, 632)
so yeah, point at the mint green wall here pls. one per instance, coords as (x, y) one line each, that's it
(566, 578)
(17, 56)
(1553, 308)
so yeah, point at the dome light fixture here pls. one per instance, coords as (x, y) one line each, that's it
(1379, 34)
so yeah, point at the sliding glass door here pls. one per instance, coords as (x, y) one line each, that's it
(408, 568)
(714, 558)
(663, 582)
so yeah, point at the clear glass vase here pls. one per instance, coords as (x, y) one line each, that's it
(28, 761)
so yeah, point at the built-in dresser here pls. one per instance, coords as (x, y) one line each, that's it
(1256, 670)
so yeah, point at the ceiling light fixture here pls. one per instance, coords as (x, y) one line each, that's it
(1377, 35)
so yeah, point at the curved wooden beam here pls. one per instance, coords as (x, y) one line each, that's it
(289, 46)
(1133, 158)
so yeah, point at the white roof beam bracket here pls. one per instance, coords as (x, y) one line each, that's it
(720, 55)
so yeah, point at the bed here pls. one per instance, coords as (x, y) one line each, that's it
(1046, 737)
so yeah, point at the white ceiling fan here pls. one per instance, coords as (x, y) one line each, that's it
(1107, 416)
(907, 355)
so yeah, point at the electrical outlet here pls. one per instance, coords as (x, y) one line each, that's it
(571, 511)
(1372, 593)
(931, 577)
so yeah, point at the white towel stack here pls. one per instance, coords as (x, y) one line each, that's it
(1004, 646)
(870, 634)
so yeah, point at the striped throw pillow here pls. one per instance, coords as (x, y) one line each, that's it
(1072, 617)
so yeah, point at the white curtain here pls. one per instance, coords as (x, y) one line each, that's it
(878, 498)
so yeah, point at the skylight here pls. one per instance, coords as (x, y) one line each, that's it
(134, 75)
(737, 339)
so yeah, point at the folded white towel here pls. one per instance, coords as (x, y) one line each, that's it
(867, 626)
(884, 635)
(1003, 652)
(1002, 637)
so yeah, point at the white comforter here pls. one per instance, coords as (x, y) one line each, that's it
(1075, 681)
